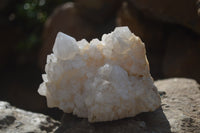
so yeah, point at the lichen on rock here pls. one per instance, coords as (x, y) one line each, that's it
(102, 80)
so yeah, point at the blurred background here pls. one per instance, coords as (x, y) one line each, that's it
(170, 30)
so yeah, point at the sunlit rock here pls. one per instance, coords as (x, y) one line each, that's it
(102, 80)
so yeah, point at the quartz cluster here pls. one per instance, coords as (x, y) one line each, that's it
(100, 80)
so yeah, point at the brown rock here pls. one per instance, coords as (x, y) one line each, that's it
(150, 31)
(14, 120)
(181, 12)
(182, 56)
(98, 10)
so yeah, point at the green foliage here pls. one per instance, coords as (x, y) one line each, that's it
(31, 15)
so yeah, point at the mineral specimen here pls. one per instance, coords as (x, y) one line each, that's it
(102, 80)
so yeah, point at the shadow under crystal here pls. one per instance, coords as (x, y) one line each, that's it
(155, 121)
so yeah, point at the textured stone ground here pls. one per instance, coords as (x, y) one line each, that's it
(181, 104)
(14, 120)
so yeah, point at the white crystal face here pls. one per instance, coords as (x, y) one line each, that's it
(65, 47)
(102, 80)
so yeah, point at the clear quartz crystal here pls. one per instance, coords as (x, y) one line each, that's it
(101, 80)
(65, 47)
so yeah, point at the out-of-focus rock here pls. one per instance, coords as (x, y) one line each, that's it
(98, 10)
(182, 55)
(180, 113)
(150, 31)
(181, 104)
(183, 12)
(14, 120)
(67, 19)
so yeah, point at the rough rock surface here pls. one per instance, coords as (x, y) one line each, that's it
(180, 113)
(181, 104)
(14, 120)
